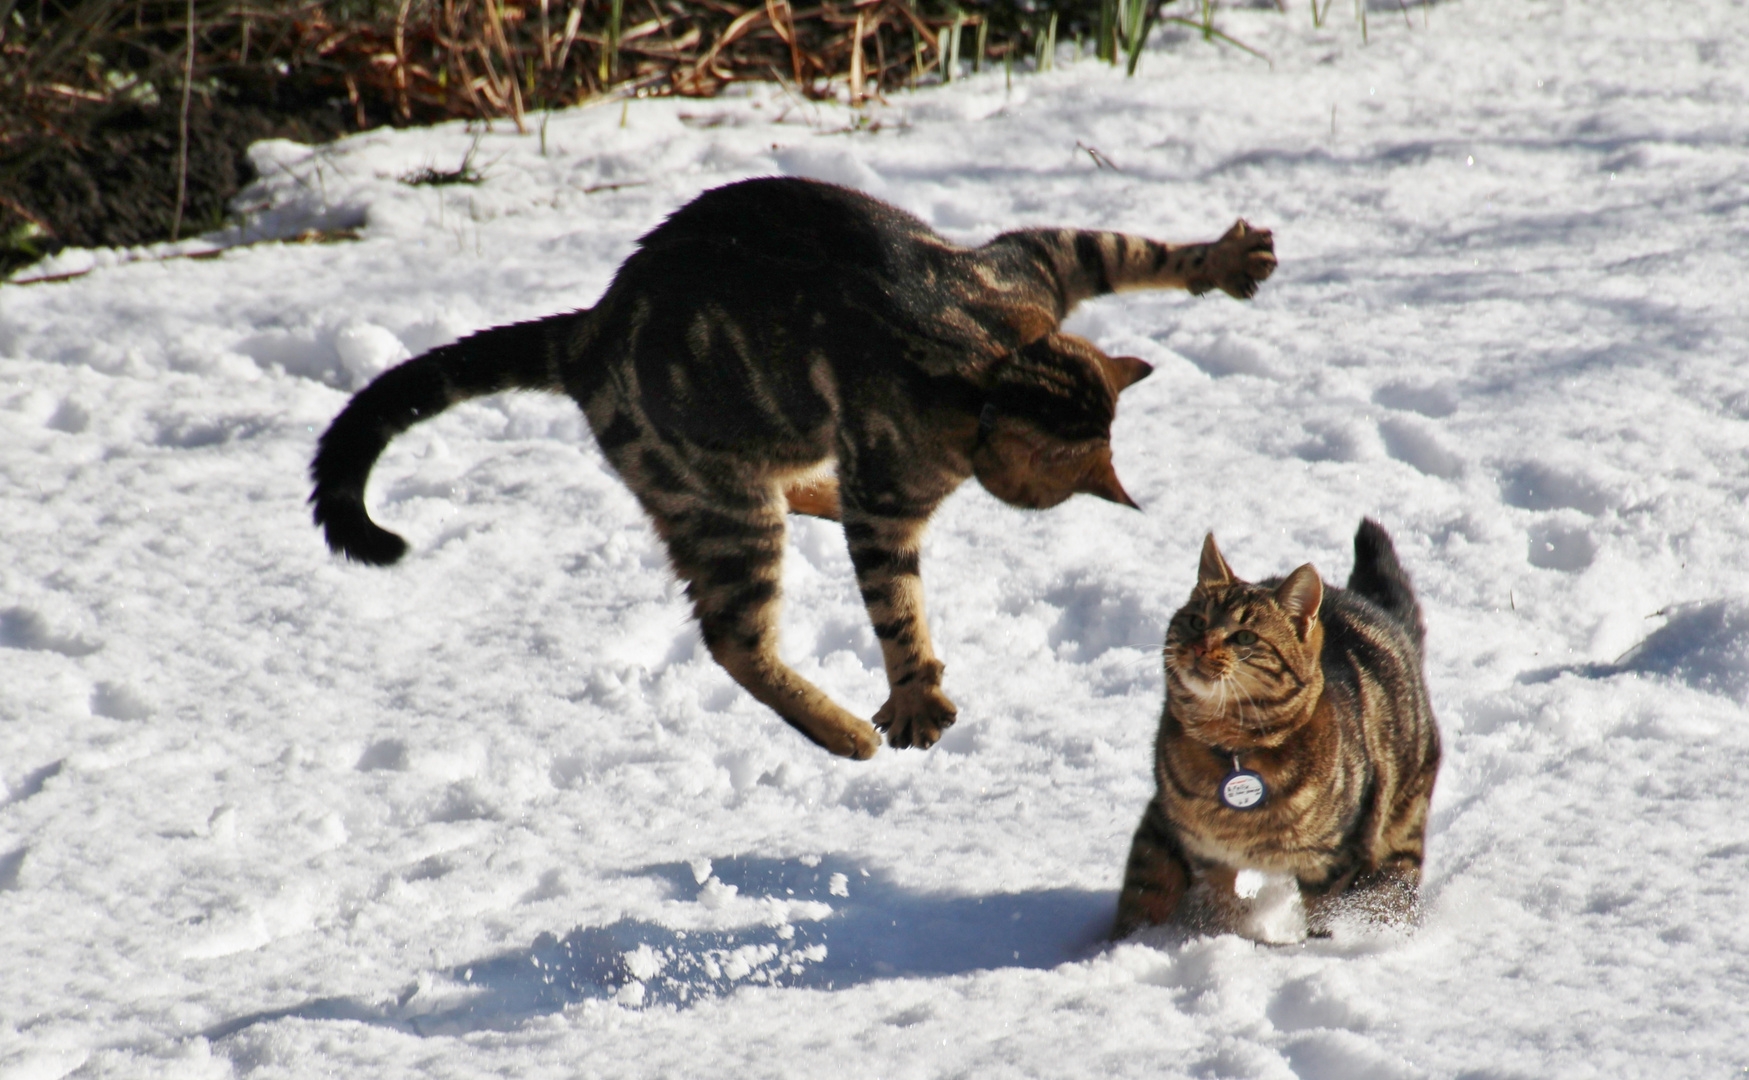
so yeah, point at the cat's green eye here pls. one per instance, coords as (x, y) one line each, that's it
(1197, 623)
(1243, 638)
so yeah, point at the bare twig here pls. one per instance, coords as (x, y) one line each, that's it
(182, 130)
(856, 62)
(308, 236)
(546, 39)
(401, 106)
(1208, 30)
(1100, 161)
(572, 21)
(596, 188)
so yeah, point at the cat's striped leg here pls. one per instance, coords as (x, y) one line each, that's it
(1235, 264)
(724, 526)
(884, 551)
(1155, 878)
(1386, 887)
(1390, 892)
(729, 551)
(1387, 896)
(1086, 264)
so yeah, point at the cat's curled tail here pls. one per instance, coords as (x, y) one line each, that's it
(1378, 576)
(522, 356)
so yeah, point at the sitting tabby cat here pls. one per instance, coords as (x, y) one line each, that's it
(782, 344)
(1297, 739)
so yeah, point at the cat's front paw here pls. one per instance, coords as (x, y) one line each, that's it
(915, 715)
(1238, 261)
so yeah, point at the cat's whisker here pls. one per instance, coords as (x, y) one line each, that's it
(1164, 657)
(1226, 688)
(1242, 700)
(1257, 710)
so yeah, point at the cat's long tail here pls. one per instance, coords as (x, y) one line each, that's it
(522, 356)
(1379, 577)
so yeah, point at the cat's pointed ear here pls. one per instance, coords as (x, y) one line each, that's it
(1099, 478)
(1125, 371)
(1214, 569)
(1299, 596)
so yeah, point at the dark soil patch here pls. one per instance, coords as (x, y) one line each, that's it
(117, 185)
(91, 90)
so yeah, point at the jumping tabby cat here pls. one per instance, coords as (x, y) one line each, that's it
(782, 344)
(1297, 739)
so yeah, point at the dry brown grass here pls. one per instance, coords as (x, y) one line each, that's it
(418, 61)
(120, 120)
(123, 121)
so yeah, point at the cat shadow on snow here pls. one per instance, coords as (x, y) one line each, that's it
(875, 930)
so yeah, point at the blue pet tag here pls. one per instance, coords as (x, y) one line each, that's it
(1242, 789)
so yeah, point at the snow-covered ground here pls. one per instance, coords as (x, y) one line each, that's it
(495, 812)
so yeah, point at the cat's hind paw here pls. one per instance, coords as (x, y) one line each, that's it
(841, 733)
(1239, 261)
(859, 742)
(915, 715)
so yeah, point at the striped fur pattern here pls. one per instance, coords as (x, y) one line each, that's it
(1320, 691)
(782, 345)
